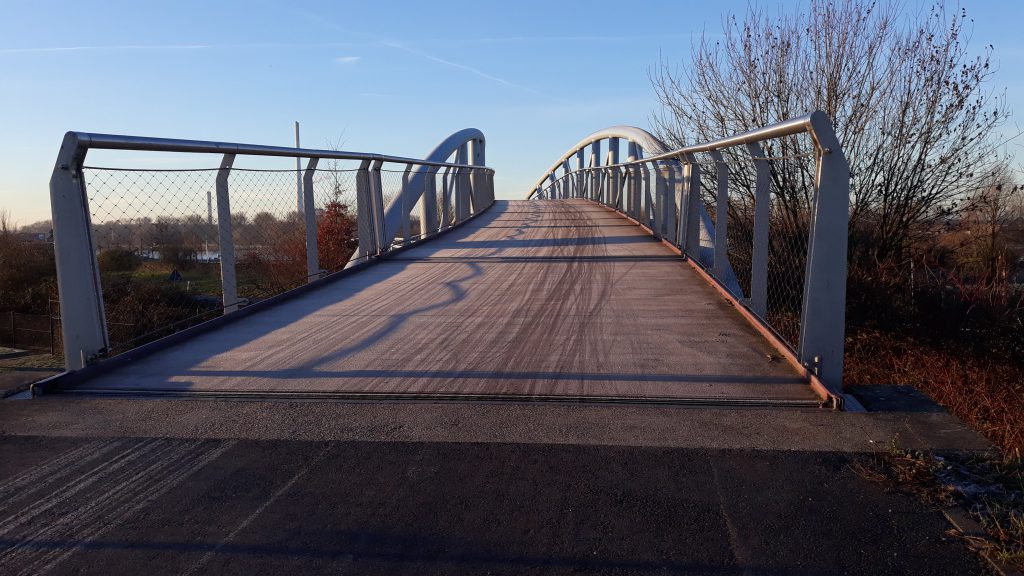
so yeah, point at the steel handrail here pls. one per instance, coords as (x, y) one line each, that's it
(88, 140)
(799, 125)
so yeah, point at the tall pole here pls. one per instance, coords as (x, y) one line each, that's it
(298, 172)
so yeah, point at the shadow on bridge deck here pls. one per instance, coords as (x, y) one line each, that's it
(533, 298)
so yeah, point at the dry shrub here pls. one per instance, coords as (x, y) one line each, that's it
(987, 394)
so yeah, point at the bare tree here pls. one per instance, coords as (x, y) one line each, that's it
(991, 228)
(910, 103)
(7, 226)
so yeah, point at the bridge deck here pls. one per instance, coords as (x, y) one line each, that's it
(559, 298)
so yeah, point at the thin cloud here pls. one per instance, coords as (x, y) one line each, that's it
(183, 47)
(540, 39)
(116, 47)
(470, 69)
(347, 59)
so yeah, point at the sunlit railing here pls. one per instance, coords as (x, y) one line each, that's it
(779, 247)
(146, 252)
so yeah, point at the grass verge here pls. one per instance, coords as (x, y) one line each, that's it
(990, 489)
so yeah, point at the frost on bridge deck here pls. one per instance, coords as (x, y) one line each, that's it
(549, 298)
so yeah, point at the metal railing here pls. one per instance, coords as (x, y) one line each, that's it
(144, 253)
(777, 246)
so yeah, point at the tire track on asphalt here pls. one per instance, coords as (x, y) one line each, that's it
(44, 549)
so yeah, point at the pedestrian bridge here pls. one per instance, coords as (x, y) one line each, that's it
(615, 280)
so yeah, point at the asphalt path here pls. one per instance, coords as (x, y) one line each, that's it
(78, 505)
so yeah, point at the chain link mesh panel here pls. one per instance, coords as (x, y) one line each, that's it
(337, 209)
(155, 236)
(269, 232)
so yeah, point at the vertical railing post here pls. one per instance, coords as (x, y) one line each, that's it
(762, 221)
(83, 319)
(225, 237)
(581, 176)
(477, 157)
(406, 204)
(428, 207)
(823, 320)
(570, 182)
(381, 240)
(309, 213)
(721, 261)
(614, 184)
(689, 232)
(595, 174)
(446, 198)
(365, 213)
(673, 200)
(666, 201)
(462, 208)
(629, 197)
(650, 216)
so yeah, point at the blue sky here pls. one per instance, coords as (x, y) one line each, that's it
(390, 77)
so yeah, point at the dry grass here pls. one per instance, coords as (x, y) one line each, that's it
(988, 395)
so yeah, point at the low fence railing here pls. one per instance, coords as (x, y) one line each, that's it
(30, 332)
(143, 253)
(764, 213)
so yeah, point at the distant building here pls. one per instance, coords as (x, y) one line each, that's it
(32, 237)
